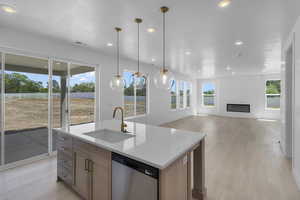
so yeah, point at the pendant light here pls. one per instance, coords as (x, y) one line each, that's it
(138, 77)
(117, 82)
(163, 78)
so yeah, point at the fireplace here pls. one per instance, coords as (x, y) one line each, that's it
(244, 108)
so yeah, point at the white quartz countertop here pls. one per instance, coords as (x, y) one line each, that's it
(155, 146)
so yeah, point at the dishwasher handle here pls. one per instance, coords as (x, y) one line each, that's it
(136, 165)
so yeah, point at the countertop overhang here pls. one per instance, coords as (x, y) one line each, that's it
(152, 145)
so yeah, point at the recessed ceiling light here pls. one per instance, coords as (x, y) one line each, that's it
(109, 44)
(224, 3)
(151, 30)
(187, 53)
(78, 43)
(233, 73)
(228, 68)
(239, 43)
(8, 8)
(153, 60)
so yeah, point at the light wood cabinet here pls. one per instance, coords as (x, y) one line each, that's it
(85, 168)
(174, 180)
(81, 174)
(92, 171)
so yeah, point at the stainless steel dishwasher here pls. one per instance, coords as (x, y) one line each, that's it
(133, 180)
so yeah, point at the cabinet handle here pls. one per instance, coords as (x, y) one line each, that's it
(74, 168)
(91, 163)
(90, 166)
(86, 165)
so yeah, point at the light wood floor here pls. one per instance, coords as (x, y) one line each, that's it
(243, 162)
(243, 159)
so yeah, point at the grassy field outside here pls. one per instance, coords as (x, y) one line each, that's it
(27, 113)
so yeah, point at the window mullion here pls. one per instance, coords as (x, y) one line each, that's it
(134, 93)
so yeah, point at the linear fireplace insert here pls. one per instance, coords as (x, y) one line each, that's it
(245, 108)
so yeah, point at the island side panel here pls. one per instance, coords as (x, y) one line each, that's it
(199, 189)
(174, 181)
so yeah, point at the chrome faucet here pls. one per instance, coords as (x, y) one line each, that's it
(123, 125)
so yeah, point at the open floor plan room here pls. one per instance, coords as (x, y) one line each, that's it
(246, 155)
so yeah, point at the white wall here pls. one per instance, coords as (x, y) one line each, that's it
(239, 90)
(292, 71)
(296, 135)
(159, 100)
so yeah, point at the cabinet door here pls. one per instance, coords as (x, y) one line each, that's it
(100, 169)
(81, 174)
(174, 181)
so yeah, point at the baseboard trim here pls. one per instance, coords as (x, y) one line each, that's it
(297, 178)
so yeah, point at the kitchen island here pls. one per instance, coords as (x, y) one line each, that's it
(89, 154)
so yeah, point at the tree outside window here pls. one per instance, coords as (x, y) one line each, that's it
(273, 92)
(208, 94)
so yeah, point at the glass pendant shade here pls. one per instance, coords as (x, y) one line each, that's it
(117, 83)
(163, 79)
(139, 80)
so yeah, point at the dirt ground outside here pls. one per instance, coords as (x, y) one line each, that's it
(26, 113)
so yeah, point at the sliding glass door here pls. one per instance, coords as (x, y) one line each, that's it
(1, 113)
(26, 107)
(82, 94)
(37, 95)
(60, 90)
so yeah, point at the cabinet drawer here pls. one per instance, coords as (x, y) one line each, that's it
(65, 160)
(65, 174)
(64, 138)
(65, 147)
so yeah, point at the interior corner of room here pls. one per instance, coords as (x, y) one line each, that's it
(122, 100)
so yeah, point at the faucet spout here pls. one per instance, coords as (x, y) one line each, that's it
(123, 125)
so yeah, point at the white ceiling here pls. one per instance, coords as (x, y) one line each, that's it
(197, 26)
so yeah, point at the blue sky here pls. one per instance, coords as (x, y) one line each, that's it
(80, 78)
(208, 87)
(127, 76)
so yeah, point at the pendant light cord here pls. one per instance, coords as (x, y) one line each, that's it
(138, 47)
(118, 53)
(164, 41)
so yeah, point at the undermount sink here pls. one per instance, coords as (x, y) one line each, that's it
(109, 135)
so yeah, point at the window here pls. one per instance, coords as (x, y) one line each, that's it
(173, 95)
(82, 94)
(181, 94)
(188, 94)
(208, 94)
(273, 92)
(135, 95)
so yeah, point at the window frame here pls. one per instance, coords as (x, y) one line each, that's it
(214, 95)
(188, 83)
(266, 95)
(183, 96)
(134, 101)
(176, 96)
